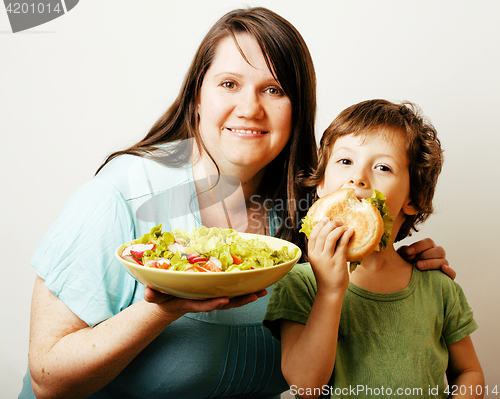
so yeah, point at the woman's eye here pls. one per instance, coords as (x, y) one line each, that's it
(228, 85)
(275, 91)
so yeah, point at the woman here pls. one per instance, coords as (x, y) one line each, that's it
(245, 113)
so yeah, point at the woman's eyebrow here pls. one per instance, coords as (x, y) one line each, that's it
(225, 73)
(240, 76)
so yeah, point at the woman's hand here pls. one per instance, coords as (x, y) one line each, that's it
(327, 254)
(427, 256)
(177, 307)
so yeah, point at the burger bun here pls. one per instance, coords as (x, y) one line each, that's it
(360, 216)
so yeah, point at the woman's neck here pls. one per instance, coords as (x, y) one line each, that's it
(231, 199)
(249, 178)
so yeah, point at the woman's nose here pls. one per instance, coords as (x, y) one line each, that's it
(249, 105)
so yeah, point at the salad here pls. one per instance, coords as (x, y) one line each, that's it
(203, 250)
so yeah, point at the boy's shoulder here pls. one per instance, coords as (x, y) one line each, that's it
(303, 271)
(300, 276)
(437, 281)
(436, 275)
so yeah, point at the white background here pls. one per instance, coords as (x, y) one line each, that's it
(94, 81)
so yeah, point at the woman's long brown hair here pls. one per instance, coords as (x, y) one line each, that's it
(288, 58)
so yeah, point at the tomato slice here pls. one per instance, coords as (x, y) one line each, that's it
(236, 260)
(211, 267)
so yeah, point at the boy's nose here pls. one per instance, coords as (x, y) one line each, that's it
(357, 182)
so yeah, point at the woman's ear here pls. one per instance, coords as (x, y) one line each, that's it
(409, 209)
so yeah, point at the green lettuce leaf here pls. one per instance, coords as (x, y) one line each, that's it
(378, 199)
(307, 226)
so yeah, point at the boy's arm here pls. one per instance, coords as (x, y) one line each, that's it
(308, 351)
(464, 369)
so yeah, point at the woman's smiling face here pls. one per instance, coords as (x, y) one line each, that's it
(245, 117)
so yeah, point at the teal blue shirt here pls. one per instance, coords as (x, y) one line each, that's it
(225, 353)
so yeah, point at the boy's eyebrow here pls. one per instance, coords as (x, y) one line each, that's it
(342, 148)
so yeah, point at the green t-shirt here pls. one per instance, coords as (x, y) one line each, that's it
(388, 344)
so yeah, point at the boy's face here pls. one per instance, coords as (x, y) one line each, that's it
(376, 160)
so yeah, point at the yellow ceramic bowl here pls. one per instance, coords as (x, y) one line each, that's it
(212, 285)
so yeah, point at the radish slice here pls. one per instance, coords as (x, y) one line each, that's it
(195, 258)
(130, 258)
(137, 250)
(216, 262)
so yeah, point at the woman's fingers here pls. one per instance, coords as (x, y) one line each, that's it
(153, 296)
(432, 264)
(449, 271)
(175, 305)
(417, 248)
(431, 256)
(432, 253)
(428, 256)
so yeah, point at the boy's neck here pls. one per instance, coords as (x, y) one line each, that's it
(382, 272)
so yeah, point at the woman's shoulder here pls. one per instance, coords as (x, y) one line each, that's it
(135, 176)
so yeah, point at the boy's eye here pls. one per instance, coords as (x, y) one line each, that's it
(344, 161)
(383, 168)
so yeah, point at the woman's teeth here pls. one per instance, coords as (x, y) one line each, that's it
(242, 131)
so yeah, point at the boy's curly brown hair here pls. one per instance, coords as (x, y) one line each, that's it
(422, 144)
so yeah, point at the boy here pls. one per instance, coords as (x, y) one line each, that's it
(386, 329)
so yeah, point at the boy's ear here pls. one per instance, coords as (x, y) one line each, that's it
(408, 208)
(320, 188)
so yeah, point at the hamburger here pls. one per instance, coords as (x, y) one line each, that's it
(369, 218)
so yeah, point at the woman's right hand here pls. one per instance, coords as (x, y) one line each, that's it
(176, 307)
